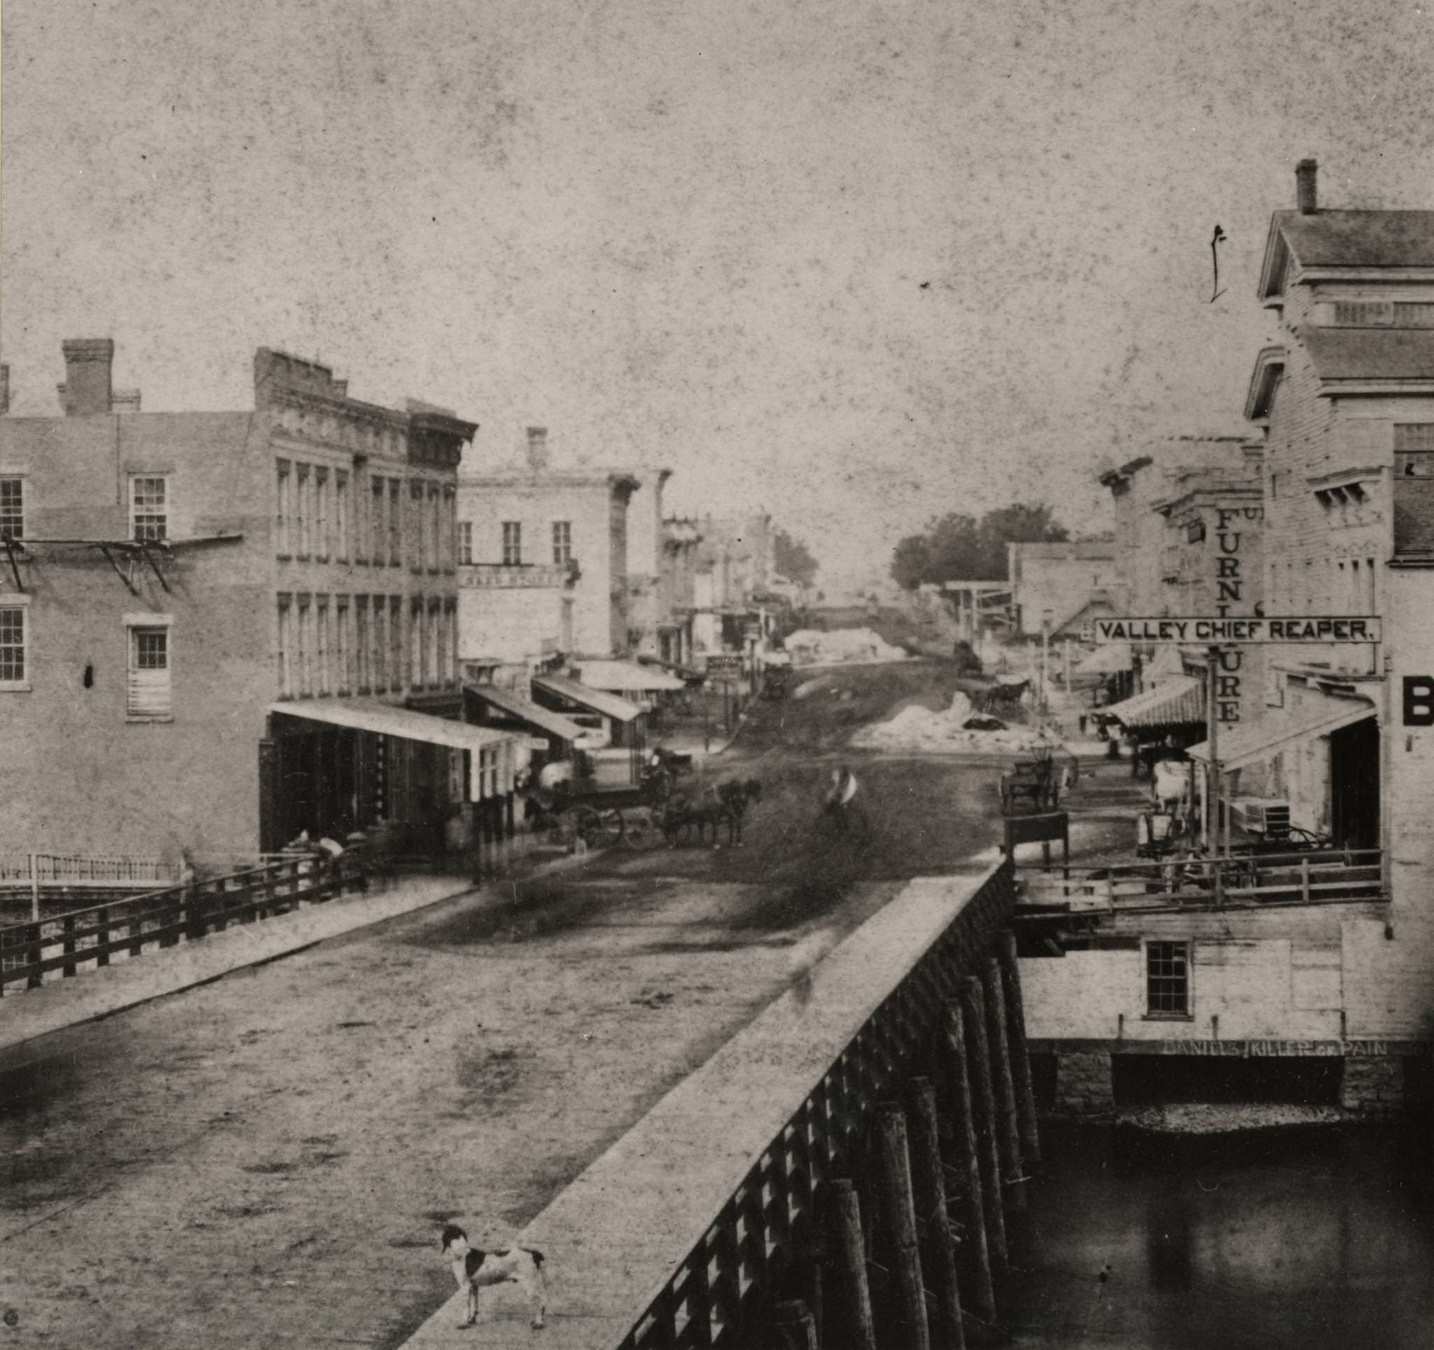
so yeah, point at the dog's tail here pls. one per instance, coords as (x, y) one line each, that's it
(536, 1255)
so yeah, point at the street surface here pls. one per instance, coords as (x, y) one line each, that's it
(265, 1160)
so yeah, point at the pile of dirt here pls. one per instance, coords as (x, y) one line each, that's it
(955, 728)
(840, 646)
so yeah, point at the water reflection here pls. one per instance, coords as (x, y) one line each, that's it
(1312, 1239)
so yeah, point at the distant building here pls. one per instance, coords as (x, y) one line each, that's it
(1057, 586)
(220, 628)
(543, 560)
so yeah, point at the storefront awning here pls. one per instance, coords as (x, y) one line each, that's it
(1171, 703)
(525, 710)
(1255, 741)
(627, 677)
(383, 719)
(609, 705)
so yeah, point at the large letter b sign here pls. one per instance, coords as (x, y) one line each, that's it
(1418, 701)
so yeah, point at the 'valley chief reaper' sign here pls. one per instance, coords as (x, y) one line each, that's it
(1207, 632)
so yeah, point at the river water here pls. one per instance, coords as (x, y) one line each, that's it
(1304, 1238)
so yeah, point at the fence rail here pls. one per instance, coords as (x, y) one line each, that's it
(125, 927)
(1246, 880)
(23, 870)
(766, 1232)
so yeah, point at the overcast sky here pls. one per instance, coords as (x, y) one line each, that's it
(860, 263)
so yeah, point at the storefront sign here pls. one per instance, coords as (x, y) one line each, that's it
(1418, 702)
(1207, 632)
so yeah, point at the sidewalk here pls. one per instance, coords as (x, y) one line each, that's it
(93, 993)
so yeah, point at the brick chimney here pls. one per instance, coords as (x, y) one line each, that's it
(87, 388)
(537, 448)
(1306, 196)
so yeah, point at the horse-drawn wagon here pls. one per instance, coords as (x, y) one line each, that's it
(603, 815)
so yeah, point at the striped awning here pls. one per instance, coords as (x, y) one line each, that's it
(1172, 703)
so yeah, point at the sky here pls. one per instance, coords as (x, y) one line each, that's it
(855, 263)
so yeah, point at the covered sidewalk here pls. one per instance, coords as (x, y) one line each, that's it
(511, 705)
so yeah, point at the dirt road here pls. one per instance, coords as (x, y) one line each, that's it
(264, 1161)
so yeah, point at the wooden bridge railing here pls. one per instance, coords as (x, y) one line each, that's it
(89, 937)
(762, 1244)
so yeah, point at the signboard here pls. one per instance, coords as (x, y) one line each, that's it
(724, 661)
(1240, 630)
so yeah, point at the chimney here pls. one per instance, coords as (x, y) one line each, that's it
(537, 448)
(1306, 196)
(4, 389)
(87, 389)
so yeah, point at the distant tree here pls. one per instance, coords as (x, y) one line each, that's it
(957, 547)
(792, 559)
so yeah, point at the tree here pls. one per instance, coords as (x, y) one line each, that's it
(792, 559)
(959, 548)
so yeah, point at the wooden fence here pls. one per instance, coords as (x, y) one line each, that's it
(88, 938)
(771, 1238)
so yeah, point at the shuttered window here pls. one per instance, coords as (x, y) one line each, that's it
(148, 690)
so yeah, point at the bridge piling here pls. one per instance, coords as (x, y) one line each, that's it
(978, 1062)
(933, 1223)
(1008, 1131)
(899, 1211)
(978, 1260)
(1020, 1050)
(851, 1293)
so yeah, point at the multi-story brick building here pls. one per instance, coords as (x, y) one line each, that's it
(1331, 993)
(219, 628)
(1056, 586)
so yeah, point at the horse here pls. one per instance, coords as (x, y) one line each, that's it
(736, 796)
(680, 813)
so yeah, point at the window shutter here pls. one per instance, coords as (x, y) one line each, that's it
(148, 693)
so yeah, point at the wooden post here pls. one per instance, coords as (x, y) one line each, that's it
(1020, 1051)
(978, 1063)
(34, 889)
(983, 1294)
(102, 945)
(34, 954)
(899, 1211)
(1008, 1129)
(929, 1180)
(851, 1292)
(69, 948)
(796, 1326)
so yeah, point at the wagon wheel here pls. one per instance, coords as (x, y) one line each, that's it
(599, 828)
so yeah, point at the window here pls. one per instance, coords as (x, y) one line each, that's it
(321, 513)
(418, 528)
(395, 642)
(361, 649)
(301, 511)
(378, 528)
(321, 645)
(449, 528)
(148, 691)
(12, 508)
(286, 647)
(512, 543)
(1413, 314)
(1167, 979)
(304, 649)
(343, 676)
(13, 669)
(417, 647)
(395, 523)
(361, 529)
(1364, 313)
(283, 507)
(149, 507)
(435, 535)
(465, 541)
(562, 542)
(341, 515)
(378, 645)
(434, 656)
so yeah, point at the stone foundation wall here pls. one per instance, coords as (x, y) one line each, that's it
(1373, 1088)
(1084, 1088)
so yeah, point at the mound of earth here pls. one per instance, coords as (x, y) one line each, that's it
(956, 727)
(840, 646)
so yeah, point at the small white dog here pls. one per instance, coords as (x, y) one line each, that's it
(474, 1268)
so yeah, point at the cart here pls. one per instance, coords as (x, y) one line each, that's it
(605, 815)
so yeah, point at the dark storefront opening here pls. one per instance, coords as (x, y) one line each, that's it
(1151, 1080)
(1354, 784)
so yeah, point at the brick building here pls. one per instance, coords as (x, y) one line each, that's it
(219, 628)
(1056, 586)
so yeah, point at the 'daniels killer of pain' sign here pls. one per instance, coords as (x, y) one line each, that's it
(1207, 632)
